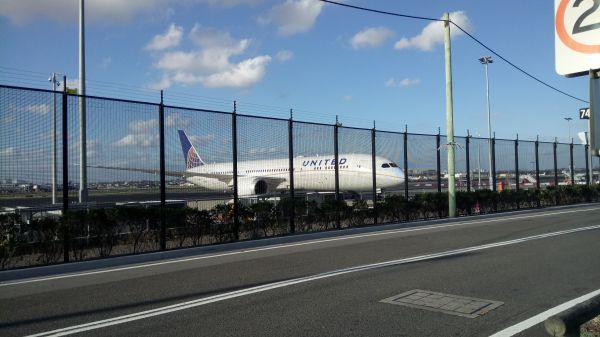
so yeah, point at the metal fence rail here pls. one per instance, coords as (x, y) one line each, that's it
(258, 177)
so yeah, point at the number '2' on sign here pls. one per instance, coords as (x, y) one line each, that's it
(577, 36)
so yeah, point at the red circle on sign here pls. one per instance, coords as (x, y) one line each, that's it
(566, 38)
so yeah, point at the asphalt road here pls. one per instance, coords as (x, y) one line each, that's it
(529, 276)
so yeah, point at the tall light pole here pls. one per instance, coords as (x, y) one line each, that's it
(485, 61)
(55, 83)
(82, 134)
(569, 119)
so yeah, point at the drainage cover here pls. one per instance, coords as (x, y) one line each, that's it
(445, 303)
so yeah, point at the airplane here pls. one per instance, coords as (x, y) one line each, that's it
(579, 178)
(314, 173)
(527, 180)
(260, 177)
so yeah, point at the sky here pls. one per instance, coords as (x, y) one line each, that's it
(318, 59)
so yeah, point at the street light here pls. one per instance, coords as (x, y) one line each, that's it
(569, 119)
(485, 61)
(55, 84)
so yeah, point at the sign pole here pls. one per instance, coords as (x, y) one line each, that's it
(594, 108)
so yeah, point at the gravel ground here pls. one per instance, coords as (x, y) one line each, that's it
(591, 328)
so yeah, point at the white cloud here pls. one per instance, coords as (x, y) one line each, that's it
(294, 16)
(141, 126)
(163, 83)
(371, 37)
(21, 12)
(347, 98)
(228, 3)
(94, 147)
(433, 33)
(38, 109)
(8, 119)
(169, 39)
(241, 75)
(175, 120)
(210, 63)
(263, 150)
(8, 151)
(407, 82)
(201, 140)
(144, 132)
(284, 56)
(144, 140)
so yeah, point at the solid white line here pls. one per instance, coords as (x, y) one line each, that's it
(262, 288)
(288, 245)
(539, 318)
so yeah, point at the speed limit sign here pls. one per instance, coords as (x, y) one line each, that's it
(577, 36)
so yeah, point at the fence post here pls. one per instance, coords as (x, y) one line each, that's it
(163, 193)
(337, 173)
(374, 173)
(517, 179)
(572, 165)
(439, 166)
(493, 173)
(587, 165)
(406, 170)
(291, 164)
(65, 171)
(236, 220)
(555, 145)
(468, 160)
(537, 169)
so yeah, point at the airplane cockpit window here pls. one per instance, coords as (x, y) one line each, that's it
(385, 165)
(393, 165)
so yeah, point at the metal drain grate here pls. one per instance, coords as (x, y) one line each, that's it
(445, 303)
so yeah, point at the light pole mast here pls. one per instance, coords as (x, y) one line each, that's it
(82, 136)
(55, 83)
(485, 61)
(569, 119)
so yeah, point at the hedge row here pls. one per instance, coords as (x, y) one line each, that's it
(98, 233)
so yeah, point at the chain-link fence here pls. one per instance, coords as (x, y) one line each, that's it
(157, 177)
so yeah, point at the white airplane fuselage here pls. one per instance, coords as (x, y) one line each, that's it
(314, 173)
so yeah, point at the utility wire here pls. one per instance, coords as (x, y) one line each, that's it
(515, 66)
(381, 12)
(464, 31)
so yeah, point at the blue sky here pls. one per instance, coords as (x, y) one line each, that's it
(319, 59)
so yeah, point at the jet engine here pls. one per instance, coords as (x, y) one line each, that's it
(252, 186)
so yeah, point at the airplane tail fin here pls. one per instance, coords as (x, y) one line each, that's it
(192, 159)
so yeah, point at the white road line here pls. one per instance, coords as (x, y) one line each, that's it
(539, 318)
(262, 288)
(288, 245)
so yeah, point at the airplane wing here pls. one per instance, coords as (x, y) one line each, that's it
(221, 177)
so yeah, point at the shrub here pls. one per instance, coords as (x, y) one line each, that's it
(51, 235)
(9, 240)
